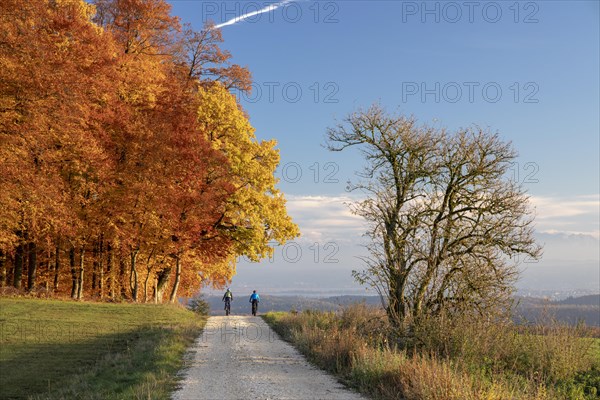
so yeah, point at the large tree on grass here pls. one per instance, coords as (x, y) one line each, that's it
(123, 154)
(446, 224)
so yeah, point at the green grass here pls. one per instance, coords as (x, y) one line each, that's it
(51, 349)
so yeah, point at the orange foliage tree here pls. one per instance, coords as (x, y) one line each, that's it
(128, 170)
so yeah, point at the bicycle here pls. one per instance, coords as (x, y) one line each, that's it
(254, 307)
(227, 308)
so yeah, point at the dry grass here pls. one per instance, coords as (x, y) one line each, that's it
(443, 359)
(549, 352)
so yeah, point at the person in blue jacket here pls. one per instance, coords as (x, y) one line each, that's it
(254, 299)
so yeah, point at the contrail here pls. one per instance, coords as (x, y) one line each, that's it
(253, 13)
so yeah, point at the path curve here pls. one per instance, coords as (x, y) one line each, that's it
(240, 357)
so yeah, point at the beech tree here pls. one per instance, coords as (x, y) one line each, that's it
(255, 213)
(446, 223)
(49, 153)
(207, 62)
(113, 183)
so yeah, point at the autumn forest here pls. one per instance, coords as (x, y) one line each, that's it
(128, 170)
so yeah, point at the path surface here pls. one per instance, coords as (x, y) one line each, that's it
(240, 357)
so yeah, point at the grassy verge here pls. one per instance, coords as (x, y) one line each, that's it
(463, 362)
(51, 349)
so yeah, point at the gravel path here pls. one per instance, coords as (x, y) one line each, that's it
(240, 357)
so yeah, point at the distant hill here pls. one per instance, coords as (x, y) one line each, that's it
(591, 300)
(240, 305)
(527, 310)
(572, 310)
(348, 300)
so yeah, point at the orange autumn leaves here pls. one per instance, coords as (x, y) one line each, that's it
(128, 170)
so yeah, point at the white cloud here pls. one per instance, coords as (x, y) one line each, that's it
(329, 217)
(568, 215)
(553, 207)
(325, 218)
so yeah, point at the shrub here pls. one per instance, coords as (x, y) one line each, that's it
(199, 305)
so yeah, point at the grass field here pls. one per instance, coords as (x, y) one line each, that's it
(51, 349)
(466, 362)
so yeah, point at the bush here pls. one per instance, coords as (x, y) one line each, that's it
(199, 305)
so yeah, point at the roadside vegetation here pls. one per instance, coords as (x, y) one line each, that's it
(443, 358)
(51, 349)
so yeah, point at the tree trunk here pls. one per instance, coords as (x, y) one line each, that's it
(18, 274)
(161, 282)
(48, 269)
(75, 285)
(32, 269)
(122, 268)
(2, 269)
(133, 276)
(110, 283)
(173, 297)
(81, 269)
(155, 291)
(146, 285)
(396, 309)
(56, 264)
(101, 267)
(94, 266)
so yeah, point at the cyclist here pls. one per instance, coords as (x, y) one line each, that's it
(254, 299)
(228, 298)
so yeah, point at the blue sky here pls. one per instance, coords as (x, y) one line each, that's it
(529, 70)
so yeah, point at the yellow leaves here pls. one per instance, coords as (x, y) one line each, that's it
(224, 122)
(218, 273)
(228, 130)
(256, 212)
(78, 7)
(144, 81)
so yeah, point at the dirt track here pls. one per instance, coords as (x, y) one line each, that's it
(240, 357)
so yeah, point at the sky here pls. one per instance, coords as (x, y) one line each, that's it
(528, 70)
